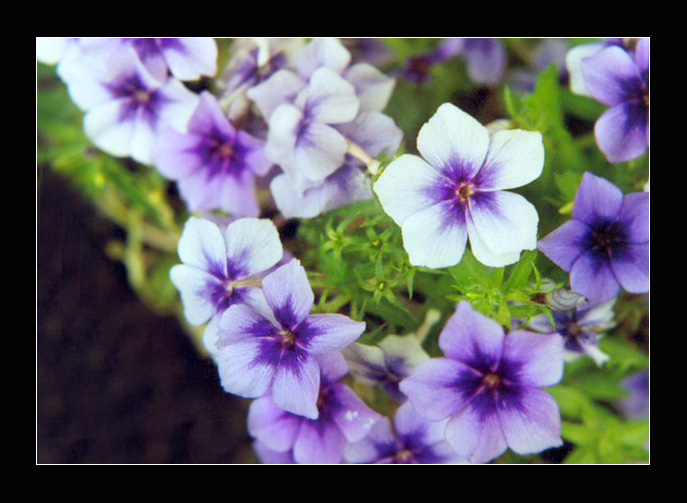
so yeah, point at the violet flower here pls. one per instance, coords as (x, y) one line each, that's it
(636, 405)
(341, 417)
(485, 58)
(488, 385)
(220, 269)
(620, 79)
(458, 191)
(579, 327)
(126, 106)
(185, 58)
(213, 163)
(606, 244)
(411, 440)
(274, 349)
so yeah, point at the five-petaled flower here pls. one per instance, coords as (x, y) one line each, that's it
(488, 385)
(605, 246)
(275, 347)
(220, 269)
(457, 191)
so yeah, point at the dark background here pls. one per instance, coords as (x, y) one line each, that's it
(115, 383)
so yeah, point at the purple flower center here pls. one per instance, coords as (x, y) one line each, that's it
(404, 456)
(287, 337)
(491, 380)
(222, 154)
(464, 191)
(608, 238)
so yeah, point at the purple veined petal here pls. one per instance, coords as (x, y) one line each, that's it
(208, 117)
(453, 142)
(319, 442)
(173, 154)
(374, 132)
(573, 63)
(235, 194)
(329, 332)
(372, 87)
(475, 433)
(272, 426)
(436, 236)
(241, 322)
(104, 126)
(202, 245)
(506, 221)
(190, 58)
(631, 268)
(610, 74)
(593, 278)
(255, 157)
(409, 185)
(179, 104)
(319, 151)
(472, 338)
(296, 386)
(596, 199)
(269, 457)
(366, 363)
(538, 357)
(439, 387)
(533, 424)
(282, 132)
(622, 131)
(372, 447)
(329, 98)
(322, 52)
(486, 59)
(198, 192)
(408, 421)
(515, 158)
(352, 416)
(634, 214)
(484, 254)
(281, 87)
(241, 370)
(253, 245)
(642, 54)
(197, 289)
(564, 244)
(333, 366)
(345, 185)
(288, 293)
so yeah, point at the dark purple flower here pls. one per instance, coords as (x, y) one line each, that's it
(488, 385)
(606, 244)
(275, 348)
(213, 163)
(341, 417)
(411, 439)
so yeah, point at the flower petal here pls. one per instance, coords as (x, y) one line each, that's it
(319, 443)
(536, 358)
(253, 245)
(322, 52)
(296, 386)
(319, 151)
(202, 245)
(622, 131)
(288, 293)
(573, 63)
(281, 87)
(453, 142)
(631, 268)
(272, 426)
(634, 214)
(199, 292)
(563, 245)
(329, 98)
(241, 370)
(485, 255)
(609, 74)
(189, 58)
(596, 200)
(353, 417)
(593, 277)
(515, 158)
(242, 322)
(104, 125)
(174, 154)
(329, 332)
(371, 86)
(534, 424)
(436, 236)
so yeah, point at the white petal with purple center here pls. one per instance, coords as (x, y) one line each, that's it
(515, 158)
(296, 386)
(288, 293)
(539, 357)
(202, 245)
(253, 245)
(241, 370)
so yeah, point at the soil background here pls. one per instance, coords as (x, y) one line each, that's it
(116, 383)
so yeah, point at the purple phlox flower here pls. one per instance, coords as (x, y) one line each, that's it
(575, 55)
(341, 417)
(386, 364)
(220, 269)
(411, 439)
(126, 106)
(620, 79)
(213, 163)
(485, 59)
(579, 327)
(605, 246)
(252, 61)
(274, 349)
(185, 58)
(488, 385)
(636, 405)
(458, 191)
(372, 131)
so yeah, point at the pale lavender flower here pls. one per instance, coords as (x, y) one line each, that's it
(411, 440)
(620, 79)
(213, 163)
(458, 191)
(605, 246)
(488, 386)
(575, 56)
(185, 58)
(126, 106)
(341, 417)
(579, 327)
(222, 268)
(275, 349)
(485, 58)
(636, 405)
(387, 363)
